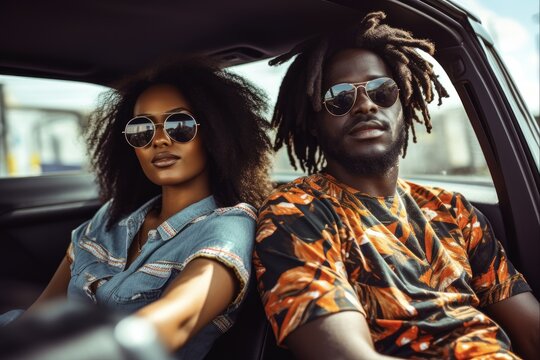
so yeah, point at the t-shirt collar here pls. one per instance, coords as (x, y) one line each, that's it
(326, 176)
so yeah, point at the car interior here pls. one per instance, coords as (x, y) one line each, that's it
(100, 42)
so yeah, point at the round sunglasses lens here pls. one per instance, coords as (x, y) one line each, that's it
(383, 91)
(339, 99)
(139, 132)
(181, 127)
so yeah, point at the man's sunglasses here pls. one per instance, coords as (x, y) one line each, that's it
(340, 98)
(179, 126)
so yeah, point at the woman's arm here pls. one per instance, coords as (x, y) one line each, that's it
(201, 291)
(57, 287)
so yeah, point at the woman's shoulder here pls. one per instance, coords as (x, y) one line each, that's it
(240, 209)
(226, 233)
(100, 220)
(97, 221)
(235, 222)
(98, 226)
(102, 215)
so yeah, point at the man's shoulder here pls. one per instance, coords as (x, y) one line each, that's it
(422, 192)
(310, 184)
(301, 191)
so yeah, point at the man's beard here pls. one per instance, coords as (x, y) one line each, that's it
(365, 165)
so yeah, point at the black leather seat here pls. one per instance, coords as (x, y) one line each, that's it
(251, 337)
(246, 338)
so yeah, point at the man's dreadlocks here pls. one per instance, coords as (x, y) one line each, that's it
(300, 92)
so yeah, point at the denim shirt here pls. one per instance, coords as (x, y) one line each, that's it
(99, 273)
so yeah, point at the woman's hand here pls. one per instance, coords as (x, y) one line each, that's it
(201, 291)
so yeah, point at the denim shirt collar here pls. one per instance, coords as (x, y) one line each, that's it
(173, 225)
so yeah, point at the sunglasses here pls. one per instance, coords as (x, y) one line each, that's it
(180, 127)
(340, 98)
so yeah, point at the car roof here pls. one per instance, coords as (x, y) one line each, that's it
(100, 41)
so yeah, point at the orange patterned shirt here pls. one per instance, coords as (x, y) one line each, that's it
(417, 265)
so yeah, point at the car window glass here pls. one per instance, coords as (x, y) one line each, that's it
(528, 124)
(42, 122)
(40, 125)
(450, 153)
(269, 79)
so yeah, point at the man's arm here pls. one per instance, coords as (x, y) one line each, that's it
(340, 336)
(312, 307)
(519, 316)
(503, 293)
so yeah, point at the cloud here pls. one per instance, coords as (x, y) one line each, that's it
(508, 34)
(518, 48)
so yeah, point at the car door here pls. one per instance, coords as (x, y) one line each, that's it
(45, 188)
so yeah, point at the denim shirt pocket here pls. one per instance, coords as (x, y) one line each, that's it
(92, 267)
(147, 283)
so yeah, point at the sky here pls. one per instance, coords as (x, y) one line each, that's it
(514, 26)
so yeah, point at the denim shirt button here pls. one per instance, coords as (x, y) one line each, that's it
(152, 234)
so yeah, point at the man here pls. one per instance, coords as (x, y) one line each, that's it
(353, 262)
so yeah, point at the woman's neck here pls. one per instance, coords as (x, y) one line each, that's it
(178, 197)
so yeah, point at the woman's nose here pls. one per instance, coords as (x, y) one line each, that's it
(161, 138)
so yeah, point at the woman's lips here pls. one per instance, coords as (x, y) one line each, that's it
(163, 160)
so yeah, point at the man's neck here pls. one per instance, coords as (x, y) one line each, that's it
(383, 184)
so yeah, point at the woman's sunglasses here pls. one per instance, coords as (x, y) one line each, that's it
(179, 126)
(340, 98)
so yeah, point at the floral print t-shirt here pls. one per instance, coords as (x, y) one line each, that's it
(418, 265)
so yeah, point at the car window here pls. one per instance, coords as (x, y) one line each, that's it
(40, 125)
(450, 153)
(528, 124)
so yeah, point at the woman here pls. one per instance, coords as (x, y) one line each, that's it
(178, 153)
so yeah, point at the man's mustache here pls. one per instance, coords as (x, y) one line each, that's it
(353, 121)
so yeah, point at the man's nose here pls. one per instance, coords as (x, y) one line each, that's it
(363, 103)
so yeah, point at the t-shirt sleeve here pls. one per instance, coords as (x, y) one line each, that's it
(494, 278)
(298, 261)
(228, 238)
